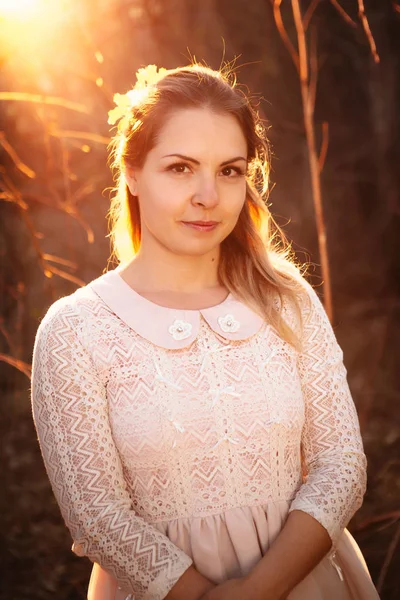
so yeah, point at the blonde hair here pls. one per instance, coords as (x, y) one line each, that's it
(256, 262)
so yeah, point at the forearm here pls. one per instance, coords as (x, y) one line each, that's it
(191, 586)
(299, 547)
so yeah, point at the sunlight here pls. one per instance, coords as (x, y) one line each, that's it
(29, 27)
(18, 8)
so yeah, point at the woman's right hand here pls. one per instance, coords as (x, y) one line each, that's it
(191, 586)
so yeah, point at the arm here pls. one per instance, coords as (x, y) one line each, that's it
(331, 440)
(70, 413)
(334, 460)
(299, 547)
(191, 586)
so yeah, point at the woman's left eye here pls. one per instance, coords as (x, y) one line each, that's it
(231, 171)
(179, 168)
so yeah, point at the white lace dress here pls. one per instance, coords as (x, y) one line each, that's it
(179, 437)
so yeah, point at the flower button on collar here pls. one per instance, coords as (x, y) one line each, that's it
(169, 328)
(180, 330)
(228, 323)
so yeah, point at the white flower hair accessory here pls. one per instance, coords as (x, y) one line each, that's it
(145, 79)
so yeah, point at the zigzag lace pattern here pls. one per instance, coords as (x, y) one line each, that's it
(133, 434)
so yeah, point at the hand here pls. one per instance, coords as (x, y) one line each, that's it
(233, 589)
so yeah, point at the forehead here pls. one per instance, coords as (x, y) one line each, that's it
(199, 132)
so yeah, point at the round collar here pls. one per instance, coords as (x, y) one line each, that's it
(173, 328)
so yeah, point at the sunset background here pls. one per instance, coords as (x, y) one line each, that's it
(326, 76)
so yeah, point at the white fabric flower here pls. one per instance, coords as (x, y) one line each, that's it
(228, 323)
(180, 330)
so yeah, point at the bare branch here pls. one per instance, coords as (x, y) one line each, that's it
(324, 146)
(15, 158)
(86, 189)
(283, 33)
(393, 515)
(308, 113)
(380, 345)
(8, 197)
(14, 195)
(309, 13)
(51, 269)
(343, 13)
(10, 193)
(388, 559)
(313, 68)
(80, 135)
(71, 210)
(38, 99)
(18, 364)
(368, 33)
(7, 336)
(66, 173)
(59, 260)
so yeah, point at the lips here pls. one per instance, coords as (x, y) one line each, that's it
(205, 223)
(201, 225)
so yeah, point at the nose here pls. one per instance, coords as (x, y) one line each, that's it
(206, 193)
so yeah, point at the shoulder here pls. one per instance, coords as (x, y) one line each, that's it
(302, 309)
(298, 297)
(70, 313)
(295, 288)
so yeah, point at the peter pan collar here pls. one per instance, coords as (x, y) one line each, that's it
(169, 327)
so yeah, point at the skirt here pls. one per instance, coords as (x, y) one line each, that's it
(230, 544)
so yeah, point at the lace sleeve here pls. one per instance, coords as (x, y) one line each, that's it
(71, 419)
(333, 453)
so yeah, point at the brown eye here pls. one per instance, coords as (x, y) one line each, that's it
(231, 171)
(178, 168)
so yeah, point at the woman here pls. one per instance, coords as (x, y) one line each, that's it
(192, 405)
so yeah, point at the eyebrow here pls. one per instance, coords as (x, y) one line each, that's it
(196, 162)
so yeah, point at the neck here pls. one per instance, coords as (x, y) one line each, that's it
(165, 271)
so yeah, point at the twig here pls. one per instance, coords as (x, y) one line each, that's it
(7, 197)
(309, 13)
(71, 210)
(64, 275)
(394, 514)
(49, 162)
(38, 99)
(21, 166)
(312, 156)
(86, 189)
(7, 336)
(283, 33)
(313, 68)
(18, 364)
(380, 344)
(324, 146)
(368, 33)
(80, 135)
(13, 192)
(343, 13)
(388, 558)
(59, 260)
(66, 173)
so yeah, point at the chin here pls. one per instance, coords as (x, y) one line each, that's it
(200, 250)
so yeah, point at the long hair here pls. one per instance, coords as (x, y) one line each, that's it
(256, 262)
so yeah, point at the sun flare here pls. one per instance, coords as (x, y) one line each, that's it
(29, 27)
(18, 8)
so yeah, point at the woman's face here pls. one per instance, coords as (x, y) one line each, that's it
(195, 172)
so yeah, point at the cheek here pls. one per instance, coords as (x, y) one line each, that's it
(233, 198)
(160, 203)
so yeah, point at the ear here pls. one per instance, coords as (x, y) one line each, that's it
(131, 180)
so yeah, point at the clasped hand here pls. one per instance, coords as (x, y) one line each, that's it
(233, 589)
